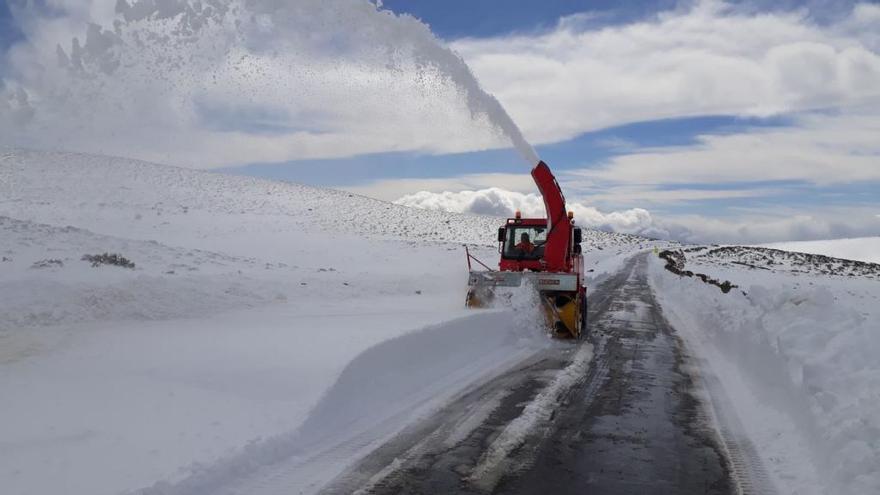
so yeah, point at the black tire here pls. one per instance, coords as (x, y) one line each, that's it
(584, 318)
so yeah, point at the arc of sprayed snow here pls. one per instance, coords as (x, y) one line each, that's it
(432, 51)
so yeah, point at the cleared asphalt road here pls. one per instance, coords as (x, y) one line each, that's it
(626, 422)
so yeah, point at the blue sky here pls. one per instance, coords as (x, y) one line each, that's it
(482, 18)
(749, 120)
(584, 151)
(8, 29)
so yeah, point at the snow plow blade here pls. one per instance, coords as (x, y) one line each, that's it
(563, 307)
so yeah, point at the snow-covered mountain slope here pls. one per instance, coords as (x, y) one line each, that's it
(247, 300)
(780, 261)
(134, 199)
(137, 199)
(857, 248)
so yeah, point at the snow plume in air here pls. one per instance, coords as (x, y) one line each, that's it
(525, 305)
(224, 82)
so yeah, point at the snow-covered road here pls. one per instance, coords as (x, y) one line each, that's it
(630, 420)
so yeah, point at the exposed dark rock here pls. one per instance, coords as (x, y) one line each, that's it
(675, 263)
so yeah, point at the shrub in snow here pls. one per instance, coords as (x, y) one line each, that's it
(48, 263)
(108, 259)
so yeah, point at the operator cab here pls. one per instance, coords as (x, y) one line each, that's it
(524, 242)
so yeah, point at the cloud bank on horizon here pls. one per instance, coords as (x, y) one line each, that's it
(229, 82)
(499, 202)
(749, 227)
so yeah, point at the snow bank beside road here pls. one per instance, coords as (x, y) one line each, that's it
(103, 407)
(798, 356)
(378, 393)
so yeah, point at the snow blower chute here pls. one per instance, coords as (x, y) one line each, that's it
(546, 252)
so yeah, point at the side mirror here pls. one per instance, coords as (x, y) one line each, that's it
(501, 234)
(578, 236)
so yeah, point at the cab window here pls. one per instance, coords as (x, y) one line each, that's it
(525, 242)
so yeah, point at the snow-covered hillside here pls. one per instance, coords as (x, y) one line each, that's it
(859, 248)
(247, 300)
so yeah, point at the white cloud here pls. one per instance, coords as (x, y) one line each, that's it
(499, 202)
(572, 180)
(817, 149)
(707, 60)
(644, 195)
(775, 226)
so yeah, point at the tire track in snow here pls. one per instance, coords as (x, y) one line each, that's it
(747, 470)
(492, 465)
